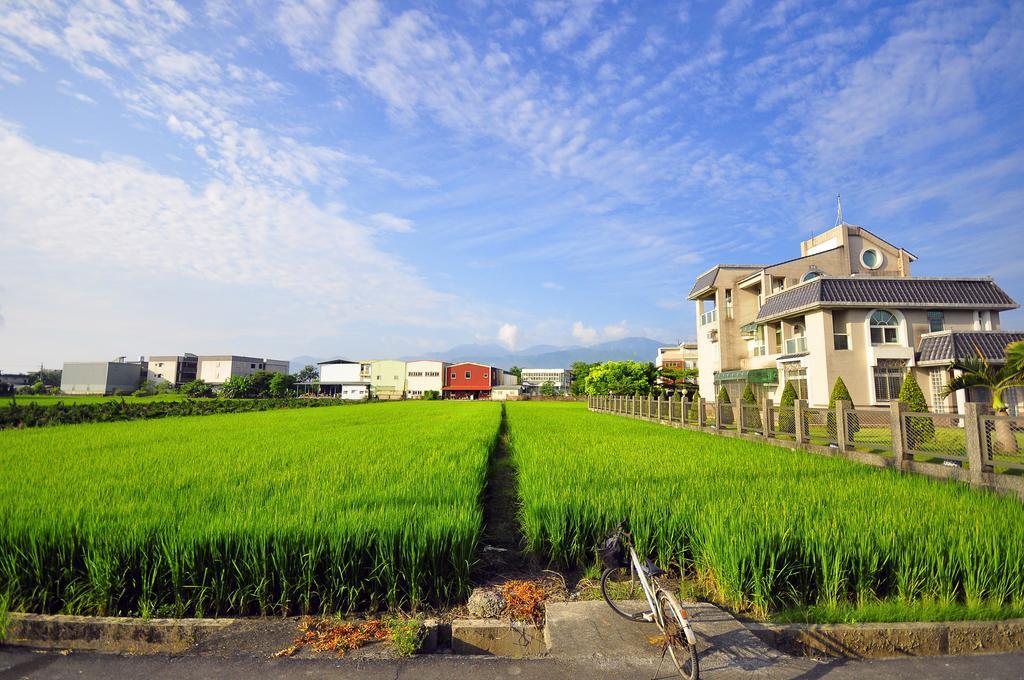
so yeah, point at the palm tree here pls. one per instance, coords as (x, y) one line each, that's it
(978, 372)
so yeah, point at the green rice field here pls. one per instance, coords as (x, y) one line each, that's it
(765, 529)
(292, 511)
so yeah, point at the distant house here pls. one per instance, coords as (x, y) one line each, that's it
(176, 370)
(424, 375)
(218, 369)
(506, 392)
(342, 379)
(386, 377)
(15, 379)
(470, 380)
(101, 377)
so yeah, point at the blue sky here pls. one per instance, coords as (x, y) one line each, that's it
(368, 179)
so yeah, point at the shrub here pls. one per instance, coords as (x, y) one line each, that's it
(695, 406)
(726, 410)
(787, 417)
(919, 430)
(196, 389)
(751, 416)
(431, 395)
(840, 393)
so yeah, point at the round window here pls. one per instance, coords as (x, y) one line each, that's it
(810, 275)
(871, 258)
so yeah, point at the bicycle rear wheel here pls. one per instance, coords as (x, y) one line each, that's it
(680, 642)
(621, 589)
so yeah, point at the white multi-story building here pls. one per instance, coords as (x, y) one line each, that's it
(343, 379)
(424, 375)
(218, 369)
(560, 378)
(177, 370)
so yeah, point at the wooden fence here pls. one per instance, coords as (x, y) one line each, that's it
(976, 447)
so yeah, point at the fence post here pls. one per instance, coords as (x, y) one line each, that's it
(650, 405)
(798, 421)
(897, 427)
(684, 406)
(767, 426)
(977, 442)
(739, 416)
(702, 416)
(718, 414)
(841, 438)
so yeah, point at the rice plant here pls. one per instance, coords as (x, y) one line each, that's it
(764, 528)
(278, 512)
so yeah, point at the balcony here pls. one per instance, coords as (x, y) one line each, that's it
(709, 317)
(796, 345)
(760, 350)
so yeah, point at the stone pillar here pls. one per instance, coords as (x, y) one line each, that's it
(841, 438)
(718, 414)
(766, 418)
(977, 444)
(739, 416)
(702, 417)
(684, 408)
(798, 421)
(897, 427)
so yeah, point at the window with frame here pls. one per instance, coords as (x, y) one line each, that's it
(778, 338)
(937, 380)
(841, 341)
(936, 321)
(884, 328)
(889, 378)
(453, 375)
(469, 374)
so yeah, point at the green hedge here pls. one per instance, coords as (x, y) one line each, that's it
(34, 415)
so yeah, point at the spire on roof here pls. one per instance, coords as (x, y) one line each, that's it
(839, 208)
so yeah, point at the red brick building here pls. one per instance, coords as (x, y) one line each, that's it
(471, 381)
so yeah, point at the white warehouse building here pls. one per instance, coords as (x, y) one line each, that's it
(424, 375)
(218, 369)
(343, 378)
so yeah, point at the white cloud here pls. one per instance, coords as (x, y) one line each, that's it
(508, 335)
(551, 285)
(114, 216)
(389, 222)
(616, 331)
(585, 334)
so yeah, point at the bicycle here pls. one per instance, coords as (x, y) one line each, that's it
(624, 578)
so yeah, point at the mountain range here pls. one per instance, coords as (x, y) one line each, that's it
(538, 356)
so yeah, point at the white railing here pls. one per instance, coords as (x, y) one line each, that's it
(709, 317)
(760, 350)
(796, 345)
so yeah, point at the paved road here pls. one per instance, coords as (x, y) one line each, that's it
(16, 663)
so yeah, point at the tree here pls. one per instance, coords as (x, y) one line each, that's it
(431, 395)
(920, 429)
(978, 372)
(787, 414)
(618, 377)
(281, 385)
(840, 393)
(518, 373)
(50, 377)
(236, 387)
(752, 415)
(547, 389)
(580, 371)
(726, 410)
(307, 374)
(196, 389)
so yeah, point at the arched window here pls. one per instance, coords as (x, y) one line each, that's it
(884, 328)
(811, 275)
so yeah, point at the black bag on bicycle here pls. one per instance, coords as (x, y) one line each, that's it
(613, 553)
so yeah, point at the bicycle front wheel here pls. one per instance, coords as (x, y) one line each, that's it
(621, 589)
(680, 642)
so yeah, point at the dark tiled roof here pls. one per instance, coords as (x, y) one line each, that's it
(790, 357)
(899, 292)
(945, 347)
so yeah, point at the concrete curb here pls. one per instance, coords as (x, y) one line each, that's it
(110, 634)
(887, 640)
(495, 637)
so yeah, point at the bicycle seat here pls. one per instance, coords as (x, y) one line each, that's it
(652, 570)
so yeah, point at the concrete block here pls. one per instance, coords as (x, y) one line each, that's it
(494, 637)
(977, 637)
